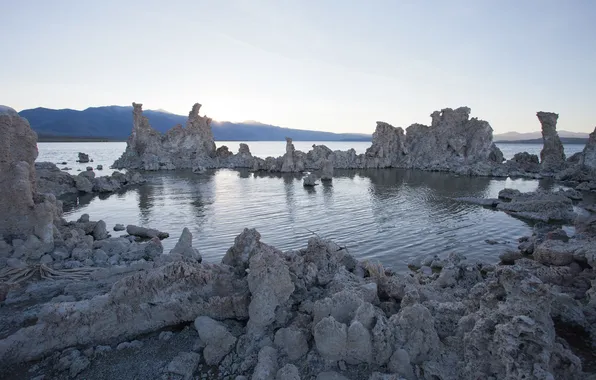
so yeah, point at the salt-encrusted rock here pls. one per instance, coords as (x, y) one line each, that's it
(388, 147)
(184, 246)
(552, 155)
(588, 158)
(147, 233)
(83, 158)
(326, 169)
(218, 340)
(23, 211)
(184, 364)
(309, 181)
(266, 368)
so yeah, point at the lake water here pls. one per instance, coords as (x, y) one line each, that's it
(388, 215)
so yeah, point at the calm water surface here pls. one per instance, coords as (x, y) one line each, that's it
(389, 215)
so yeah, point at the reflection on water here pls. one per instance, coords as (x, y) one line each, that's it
(386, 215)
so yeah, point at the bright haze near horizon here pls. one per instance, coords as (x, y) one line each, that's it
(322, 65)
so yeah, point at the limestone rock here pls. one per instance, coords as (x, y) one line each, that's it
(539, 205)
(552, 155)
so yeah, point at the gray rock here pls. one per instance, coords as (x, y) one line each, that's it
(400, 364)
(184, 246)
(135, 344)
(147, 233)
(83, 184)
(100, 231)
(46, 259)
(331, 338)
(326, 170)
(218, 340)
(119, 227)
(15, 263)
(83, 158)
(539, 205)
(489, 202)
(266, 368)
(509, 194)
(99, 167)
(179, 147)
(184, 364)
(165, 335)
(330, 375)
(359, 344)
(292, 342)
(288, 372)
(309, 181)
(552, 155)
(99, 256)
(588, 158)
(554, 252)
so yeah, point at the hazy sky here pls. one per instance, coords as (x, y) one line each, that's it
(325, 65)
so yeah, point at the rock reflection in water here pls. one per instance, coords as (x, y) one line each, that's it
(387, 215)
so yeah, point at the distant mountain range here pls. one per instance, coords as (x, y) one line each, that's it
(115, 123)
(536, 137)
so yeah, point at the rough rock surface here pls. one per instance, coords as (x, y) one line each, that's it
(318, 313)
(539, 205)
(23, 211)
(588, 158)
(179, 147)
(552, 155)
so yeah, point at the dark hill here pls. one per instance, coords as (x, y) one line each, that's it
(115, 123)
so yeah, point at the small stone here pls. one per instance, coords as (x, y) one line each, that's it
(166, 335)
(119, 227)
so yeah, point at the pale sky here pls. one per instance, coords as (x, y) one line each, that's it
(325, 65)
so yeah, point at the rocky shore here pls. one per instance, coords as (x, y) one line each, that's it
(76, 302)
